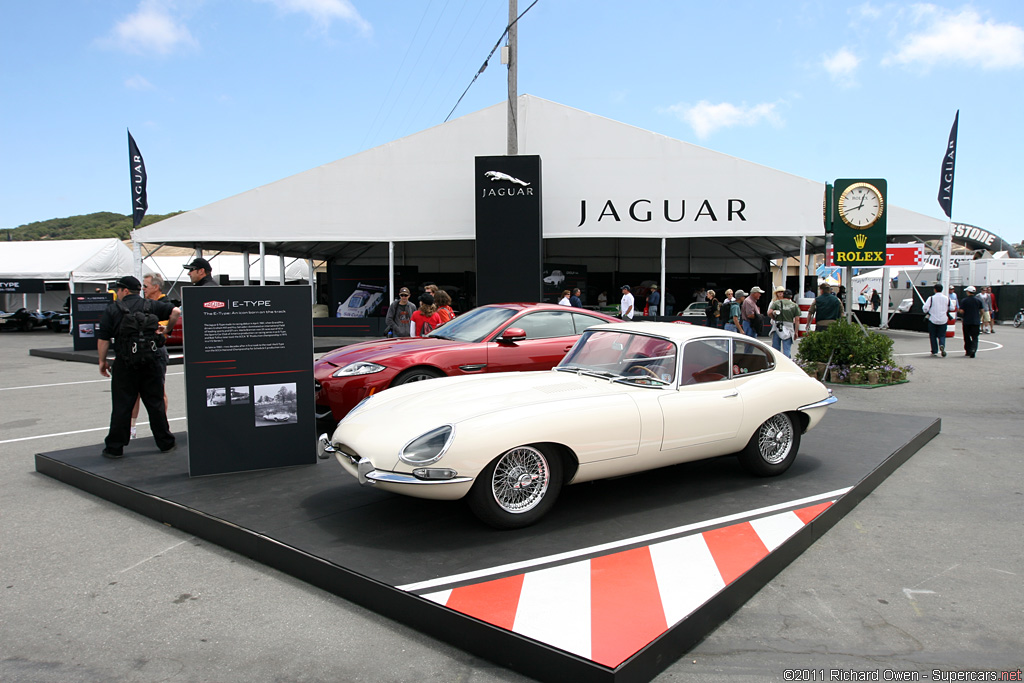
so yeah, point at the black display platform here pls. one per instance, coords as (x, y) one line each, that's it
(405, 558)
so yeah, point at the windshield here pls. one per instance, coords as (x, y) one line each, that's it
(474, 325)
(627, 356)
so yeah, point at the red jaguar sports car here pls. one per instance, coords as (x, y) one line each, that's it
(495, 338)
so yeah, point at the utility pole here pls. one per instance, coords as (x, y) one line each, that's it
(513, 109)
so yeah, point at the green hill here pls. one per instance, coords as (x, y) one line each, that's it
(89, 226)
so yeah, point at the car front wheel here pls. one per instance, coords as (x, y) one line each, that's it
(772, 448)
(517, 488)
(417, 375)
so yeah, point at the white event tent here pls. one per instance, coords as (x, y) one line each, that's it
(710, 211)
(72, 261)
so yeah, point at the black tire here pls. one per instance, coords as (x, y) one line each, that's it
(416, 375)
(773, 447)
(517, 488)
(26, 325)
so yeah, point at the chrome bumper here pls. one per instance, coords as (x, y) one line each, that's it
(367, 475)
(824, 403)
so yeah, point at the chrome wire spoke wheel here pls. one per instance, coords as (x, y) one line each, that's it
(775, 439)
(520, 480)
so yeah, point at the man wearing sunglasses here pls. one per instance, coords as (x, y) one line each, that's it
(400, 315)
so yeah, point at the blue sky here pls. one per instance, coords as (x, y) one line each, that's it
(225, 95)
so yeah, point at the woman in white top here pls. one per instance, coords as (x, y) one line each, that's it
(564, 301)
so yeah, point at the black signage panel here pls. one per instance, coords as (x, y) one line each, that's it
(248, 378)
(22, 287)
(509, 229)
(86, 311)
(559, 277)
(859, 219)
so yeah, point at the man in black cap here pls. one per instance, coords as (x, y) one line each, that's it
(201, 273)
(130, 381)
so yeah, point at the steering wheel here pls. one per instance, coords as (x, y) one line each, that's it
(652, 373)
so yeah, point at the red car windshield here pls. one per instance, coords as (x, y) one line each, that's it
(475, 325)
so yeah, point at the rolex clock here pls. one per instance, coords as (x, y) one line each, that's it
(859, 223)
(861, 205)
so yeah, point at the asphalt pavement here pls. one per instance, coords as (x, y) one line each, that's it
(926, 575)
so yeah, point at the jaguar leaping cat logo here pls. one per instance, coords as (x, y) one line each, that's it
(498, 175)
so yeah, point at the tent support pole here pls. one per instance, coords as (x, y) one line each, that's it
(661, 299)
(312, 281)
(281, 259)
(263, 264)
(884, 313)
(801, 270)
(391, 270)
(245, 268)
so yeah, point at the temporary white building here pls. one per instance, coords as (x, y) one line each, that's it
(67, 261)
(601, 179)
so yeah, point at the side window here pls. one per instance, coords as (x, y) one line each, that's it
(748, 358)
(705, 360)
(582, 321)
(546, 324)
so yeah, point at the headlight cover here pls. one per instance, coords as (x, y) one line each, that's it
(360, 367)
(428, 448)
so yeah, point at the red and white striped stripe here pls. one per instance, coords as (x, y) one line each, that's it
(607, 608)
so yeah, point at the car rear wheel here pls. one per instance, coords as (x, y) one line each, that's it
(417, 375)
(773, 446)
(517, 488)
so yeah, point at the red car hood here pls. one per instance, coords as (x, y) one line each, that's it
(383, 350)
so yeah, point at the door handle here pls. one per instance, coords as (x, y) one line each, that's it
(731, 394)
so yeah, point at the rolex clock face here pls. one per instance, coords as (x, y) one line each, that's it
(861, 205)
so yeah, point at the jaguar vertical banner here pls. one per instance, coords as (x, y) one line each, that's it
(509, 229)
(248, 378)
(86, 311)
(948, 170)
(137, 168)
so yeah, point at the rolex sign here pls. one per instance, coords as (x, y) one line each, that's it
(859, 214)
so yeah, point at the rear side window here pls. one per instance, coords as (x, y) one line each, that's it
(583, 321)
(749, 358)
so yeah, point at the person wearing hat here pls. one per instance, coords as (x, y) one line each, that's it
(201, 273)
(653, 301)
(970, 309)
(753, 323)
(825, 309)
(783, 313)
(129, 382)
(735, 312)
(626, 304)
(400, 315)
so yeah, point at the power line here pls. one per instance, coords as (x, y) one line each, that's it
(491, 54)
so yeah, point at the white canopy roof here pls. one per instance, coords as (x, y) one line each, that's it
(232, 265)
(81, 260)
(421, 188)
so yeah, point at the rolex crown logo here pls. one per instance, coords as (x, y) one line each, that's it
(860, 240)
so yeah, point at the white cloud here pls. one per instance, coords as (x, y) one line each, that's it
(841, 65)
(705, 117)
(960, 38)
(138, 82)
(323, 12)
(151, 29)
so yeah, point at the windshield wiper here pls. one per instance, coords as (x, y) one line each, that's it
(631, 380)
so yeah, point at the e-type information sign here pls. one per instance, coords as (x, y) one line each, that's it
(248, 378)
(859, 217)
(86, 311)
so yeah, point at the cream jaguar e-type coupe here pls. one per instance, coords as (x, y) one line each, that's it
(627, 398)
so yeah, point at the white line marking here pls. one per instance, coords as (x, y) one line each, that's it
(65, 384)
(128, 569)
(646, 538)
(79, 431)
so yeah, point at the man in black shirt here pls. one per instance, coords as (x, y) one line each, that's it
(201, 273)
(970, 311)
(127, 382)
